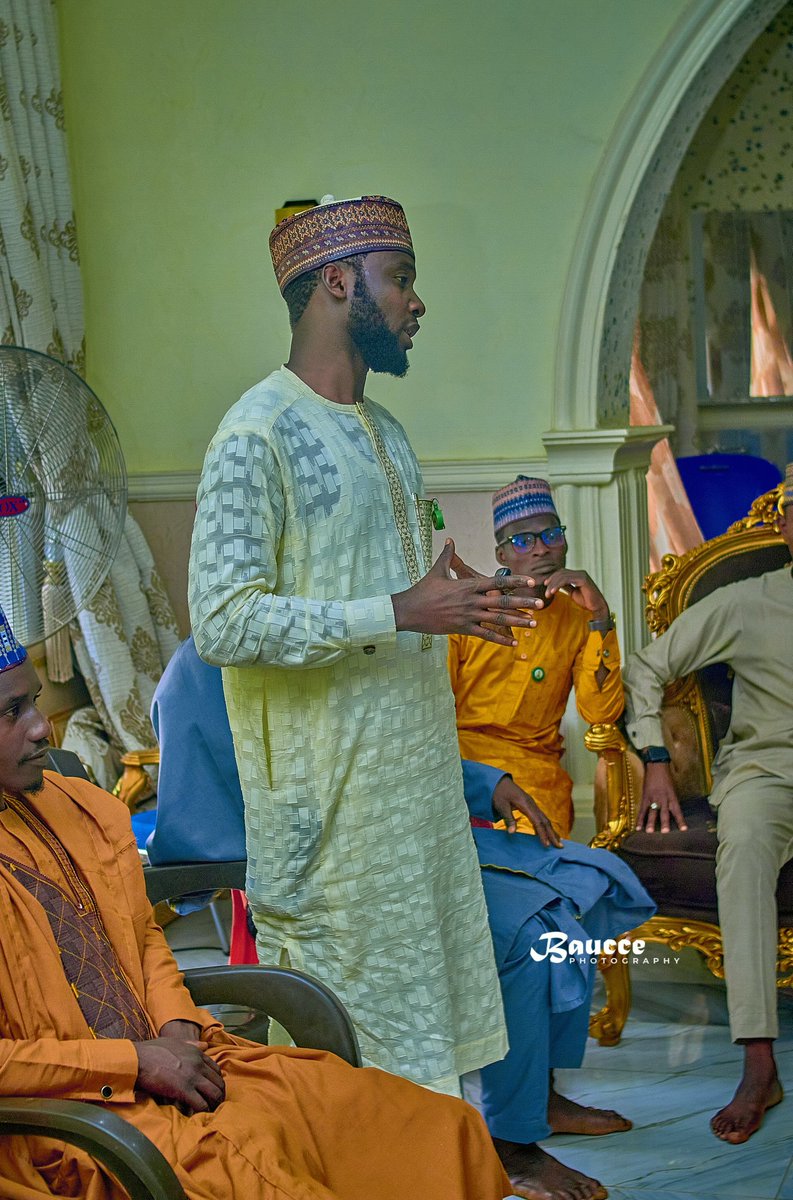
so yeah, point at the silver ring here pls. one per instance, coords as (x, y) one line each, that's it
(654, 807)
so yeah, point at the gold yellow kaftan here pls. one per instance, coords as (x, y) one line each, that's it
(511, 700)
(361, 866)
(296, 1124)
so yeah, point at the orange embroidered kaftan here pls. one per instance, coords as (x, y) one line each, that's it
(296, 1124)
(511, 700)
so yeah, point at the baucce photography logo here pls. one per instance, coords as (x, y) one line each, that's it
(559, 948)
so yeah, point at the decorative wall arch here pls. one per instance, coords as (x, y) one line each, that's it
(601, 298)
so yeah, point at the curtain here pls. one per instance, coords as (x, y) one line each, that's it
(667, 345)
(673, 526)
(125, 636)
(40, 289)
(771, 280)
(728, 319)
(122, 641)
(772, 363)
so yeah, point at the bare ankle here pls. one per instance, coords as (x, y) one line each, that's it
(758, 1057)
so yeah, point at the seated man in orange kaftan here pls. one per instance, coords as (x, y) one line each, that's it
(92, 1007)
(511, 700)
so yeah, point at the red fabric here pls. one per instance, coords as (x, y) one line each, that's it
(242, 950)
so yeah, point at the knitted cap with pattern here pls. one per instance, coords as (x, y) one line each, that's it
(525, 497)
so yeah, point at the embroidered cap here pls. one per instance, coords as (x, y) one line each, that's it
(526, 497)
(336, 229)
(11, 652)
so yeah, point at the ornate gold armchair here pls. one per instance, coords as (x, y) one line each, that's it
(679, 870)
(134, 784)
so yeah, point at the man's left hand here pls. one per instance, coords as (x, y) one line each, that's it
(507, 795)
(582, 589)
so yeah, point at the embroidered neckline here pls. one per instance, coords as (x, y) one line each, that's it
(80, 892)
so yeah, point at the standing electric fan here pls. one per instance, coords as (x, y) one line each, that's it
(63, 493)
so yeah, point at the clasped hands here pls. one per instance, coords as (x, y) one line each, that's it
(174, 1067)
(466, 601)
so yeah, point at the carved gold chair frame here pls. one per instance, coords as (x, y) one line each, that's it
(620, 772)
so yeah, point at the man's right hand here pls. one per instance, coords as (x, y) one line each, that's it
(659, 799)
(471, 603)
(180, 1073)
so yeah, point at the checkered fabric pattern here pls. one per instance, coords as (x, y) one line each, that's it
(361, 867)
(107, 1002)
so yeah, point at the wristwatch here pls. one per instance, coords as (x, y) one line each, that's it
(604, 625)
(655, 754)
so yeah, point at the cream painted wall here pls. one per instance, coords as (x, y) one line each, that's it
(191, 120)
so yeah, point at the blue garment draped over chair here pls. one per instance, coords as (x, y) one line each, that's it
(722, 487)
(200, 812)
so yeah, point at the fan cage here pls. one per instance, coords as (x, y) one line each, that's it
(63, 493)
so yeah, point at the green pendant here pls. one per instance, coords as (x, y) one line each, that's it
(437, 515)
(538, 674)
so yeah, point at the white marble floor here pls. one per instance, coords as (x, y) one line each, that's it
(673, 1069)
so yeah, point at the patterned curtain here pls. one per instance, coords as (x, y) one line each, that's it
(122, 642)
(40, 290)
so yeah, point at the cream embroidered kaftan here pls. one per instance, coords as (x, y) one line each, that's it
(361, 866)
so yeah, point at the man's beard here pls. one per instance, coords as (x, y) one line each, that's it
(377, 345)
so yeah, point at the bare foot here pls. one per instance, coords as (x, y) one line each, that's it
(758, 1091)
(565, 1116)
(535, 1175)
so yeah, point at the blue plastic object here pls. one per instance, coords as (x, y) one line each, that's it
(142, 825)
(721, 487)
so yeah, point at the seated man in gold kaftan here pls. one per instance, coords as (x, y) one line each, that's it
(510, 700)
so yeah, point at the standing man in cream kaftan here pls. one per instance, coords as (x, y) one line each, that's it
(310, 586)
